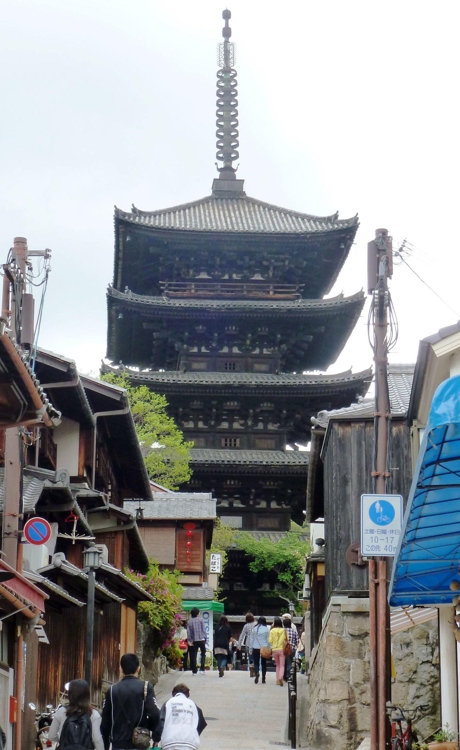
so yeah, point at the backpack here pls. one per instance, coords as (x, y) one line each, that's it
(77, 733)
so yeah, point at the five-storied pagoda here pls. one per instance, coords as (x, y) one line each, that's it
(219, 304)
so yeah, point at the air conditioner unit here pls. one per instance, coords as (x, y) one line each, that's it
(104, 550)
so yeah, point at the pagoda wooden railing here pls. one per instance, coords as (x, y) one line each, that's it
(230, 290)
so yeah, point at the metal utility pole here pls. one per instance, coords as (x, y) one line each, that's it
(380, 268)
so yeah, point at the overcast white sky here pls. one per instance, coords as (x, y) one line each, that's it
(348, 106)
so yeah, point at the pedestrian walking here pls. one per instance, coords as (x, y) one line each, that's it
(244, 640)
(277, 639)
(300, 653)
(129, 709)
(183, 645)
(258, 641)
(288, 616)
(222, 638)
(181, 721)
(77, 724)
(293, 638)
(2, 739)
(196, 634)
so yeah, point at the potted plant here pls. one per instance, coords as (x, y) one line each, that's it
(444, 739)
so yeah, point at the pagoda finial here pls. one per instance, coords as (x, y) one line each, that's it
(227, 114)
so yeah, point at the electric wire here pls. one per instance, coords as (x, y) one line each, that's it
(427, 285)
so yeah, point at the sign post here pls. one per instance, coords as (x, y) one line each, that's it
(37, 531)
(381, 524)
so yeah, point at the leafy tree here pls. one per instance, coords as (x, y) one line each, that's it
(162, 615)
(165, 452)
(285, 559)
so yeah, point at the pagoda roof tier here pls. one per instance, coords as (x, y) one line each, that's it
(302, 383)
(230, 240)
(189, 307)
(239, 214)
(250, 461)
(147, 331)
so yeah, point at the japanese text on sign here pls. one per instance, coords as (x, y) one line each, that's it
(215, 563)
(381, 523)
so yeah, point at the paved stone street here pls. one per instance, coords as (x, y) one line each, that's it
(240, 715)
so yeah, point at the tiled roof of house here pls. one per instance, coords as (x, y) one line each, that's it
(32, 489)
(273, 536)
(240, 214)
(399, 386)
(173, 507)
(197, 592)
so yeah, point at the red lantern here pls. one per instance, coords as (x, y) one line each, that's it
(189, 533)
(189, 544)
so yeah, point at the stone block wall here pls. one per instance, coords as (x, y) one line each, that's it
(337, 710)
(416, 658)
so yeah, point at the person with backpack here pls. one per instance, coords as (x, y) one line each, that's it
(77, 726)
(129, 707)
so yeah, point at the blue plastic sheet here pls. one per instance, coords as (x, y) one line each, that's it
(428, 555)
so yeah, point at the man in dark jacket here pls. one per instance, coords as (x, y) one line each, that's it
(125, 707)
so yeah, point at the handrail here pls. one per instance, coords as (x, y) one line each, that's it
(292, 704)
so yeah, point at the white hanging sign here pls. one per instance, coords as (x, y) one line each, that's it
(215, 563)
(381, 524)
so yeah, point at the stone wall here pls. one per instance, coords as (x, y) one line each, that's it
(416, 658)
(152, 667)
(338, 705)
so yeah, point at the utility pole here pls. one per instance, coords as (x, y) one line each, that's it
(380, 268)
(18, 314)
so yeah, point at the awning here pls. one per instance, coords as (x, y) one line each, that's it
(203, 605)
(403, 618)
(428, 556)
(20, 592)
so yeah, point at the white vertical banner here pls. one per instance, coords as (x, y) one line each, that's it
(207, 616)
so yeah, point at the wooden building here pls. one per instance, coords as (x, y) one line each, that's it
(176, 529)
(78, 472)
(219, 305)
(341, 463)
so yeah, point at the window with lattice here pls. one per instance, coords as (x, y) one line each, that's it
(230, 442)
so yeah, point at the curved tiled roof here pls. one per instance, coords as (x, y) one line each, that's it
(400, 377)
(241, 214)
(236, 379)
(157, 303)
(249, 458)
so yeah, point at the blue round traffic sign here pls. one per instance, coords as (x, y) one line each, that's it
(381, 512)
(37, 531)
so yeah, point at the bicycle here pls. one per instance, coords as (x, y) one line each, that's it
(407, 738)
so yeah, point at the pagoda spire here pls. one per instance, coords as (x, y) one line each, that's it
(227, 116)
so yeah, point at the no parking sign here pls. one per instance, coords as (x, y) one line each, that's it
(37, 531)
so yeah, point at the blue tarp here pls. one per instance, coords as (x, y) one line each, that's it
(428, 556)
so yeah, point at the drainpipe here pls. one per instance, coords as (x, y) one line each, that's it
(96, 415)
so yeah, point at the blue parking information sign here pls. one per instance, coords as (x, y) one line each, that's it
(381, 523)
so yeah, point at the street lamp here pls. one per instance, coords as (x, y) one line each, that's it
(91, 561)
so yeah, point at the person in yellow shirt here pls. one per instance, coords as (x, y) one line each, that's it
(277, 639)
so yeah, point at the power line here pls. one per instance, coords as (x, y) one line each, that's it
(399, 254)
